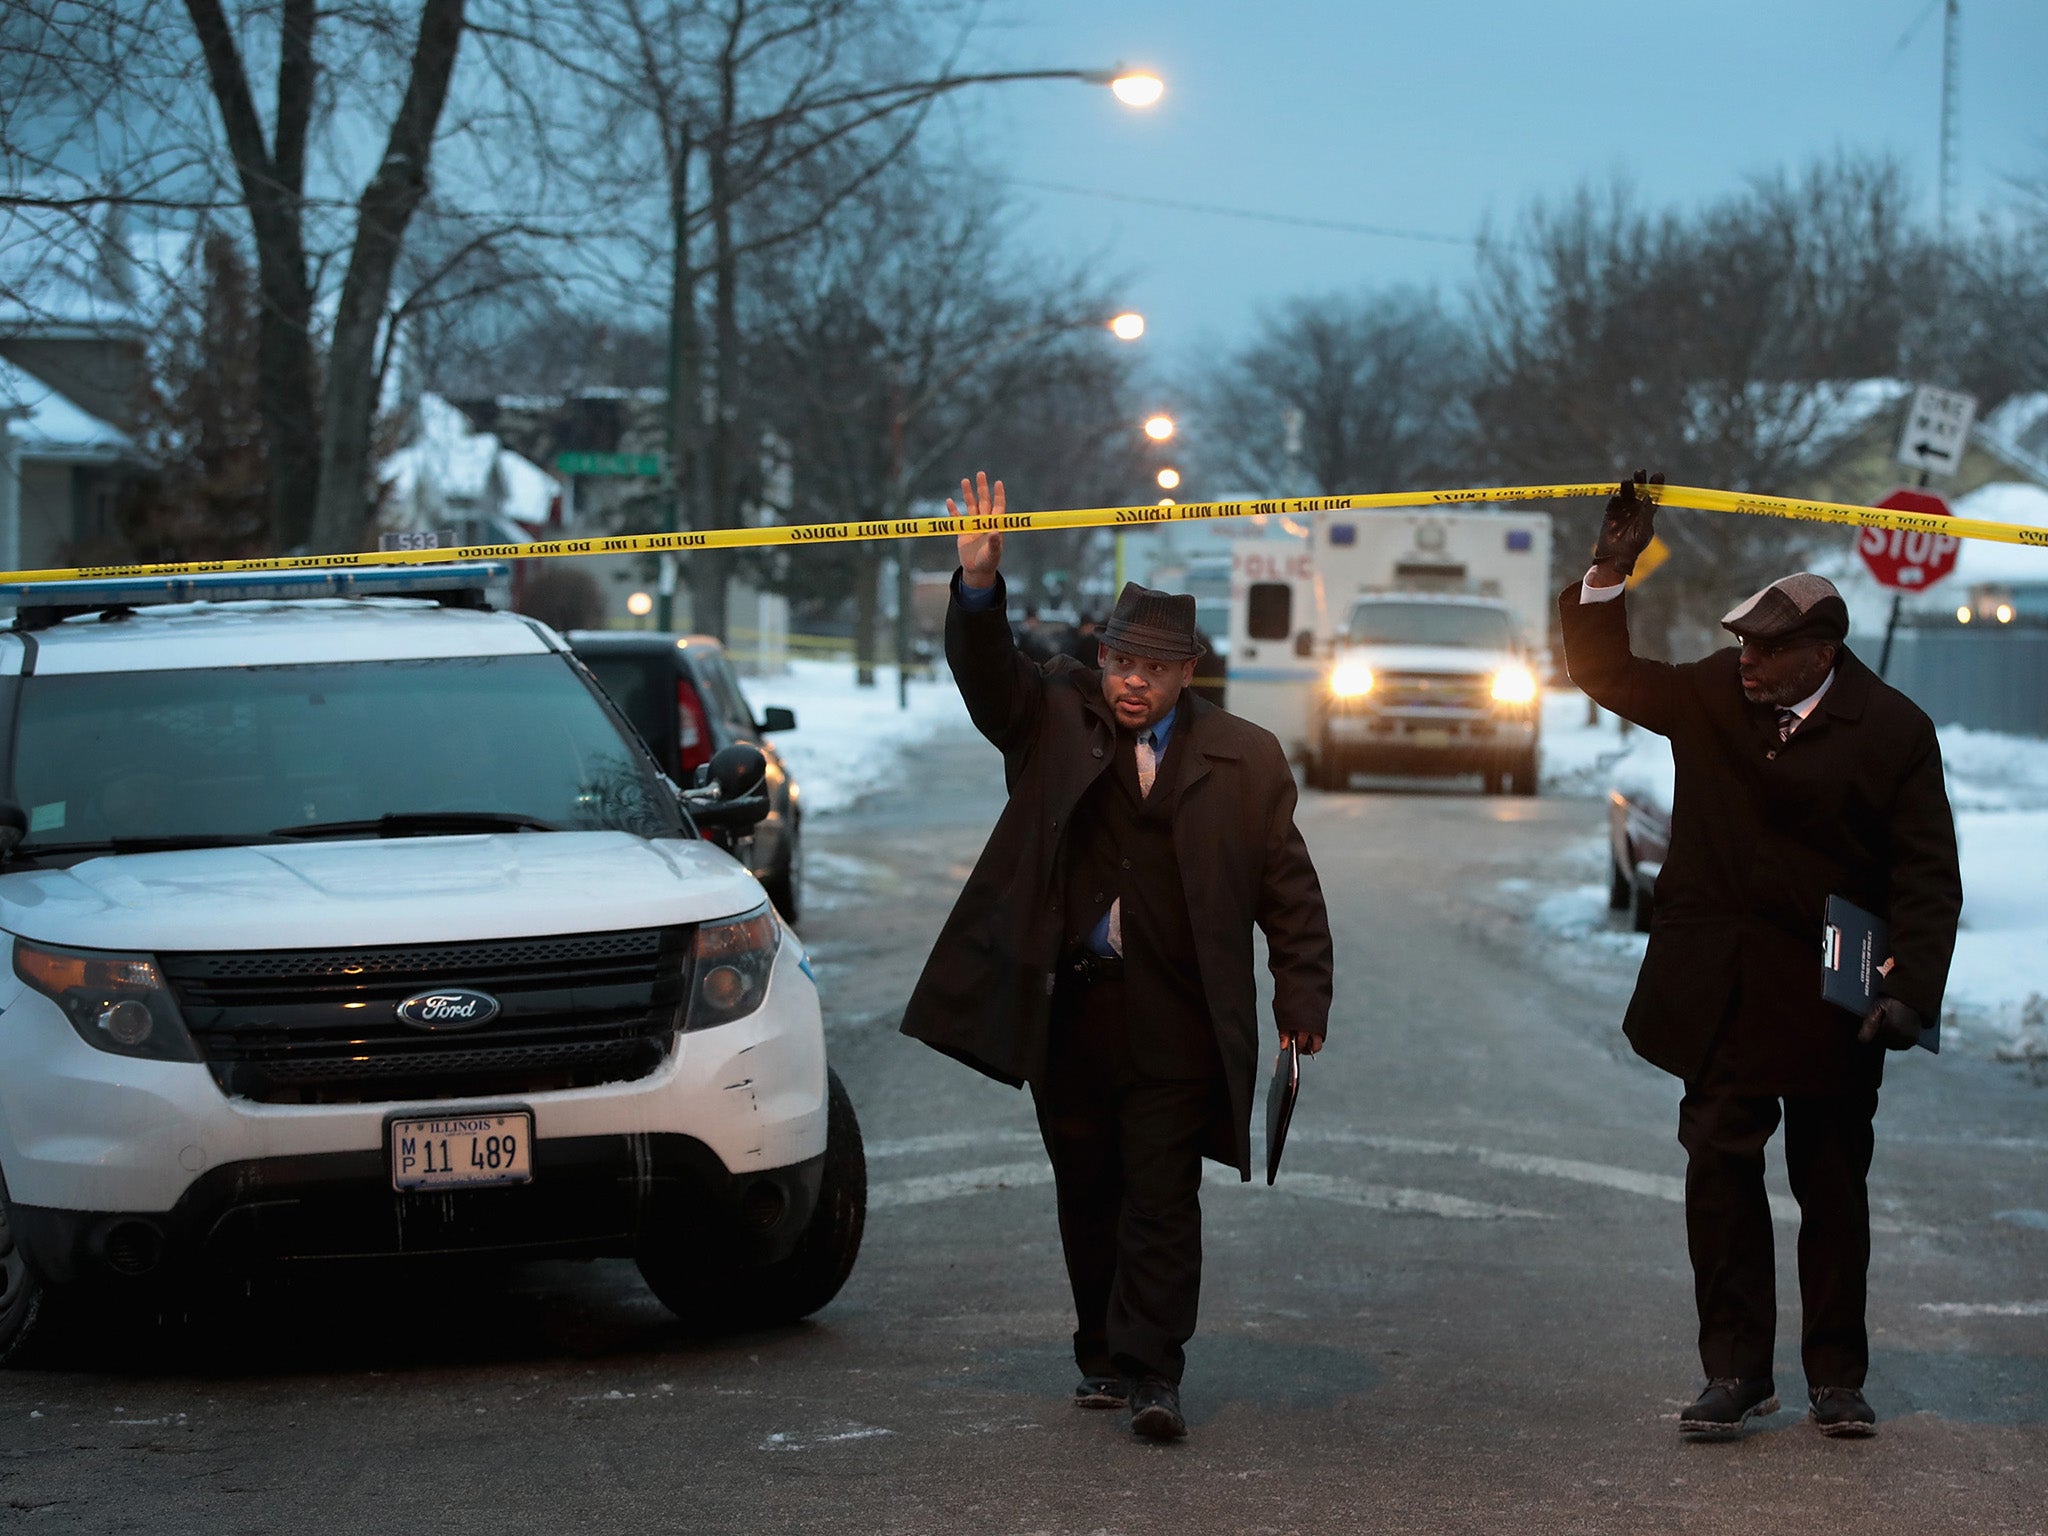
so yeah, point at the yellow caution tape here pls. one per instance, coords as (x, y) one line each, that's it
(1087, 517)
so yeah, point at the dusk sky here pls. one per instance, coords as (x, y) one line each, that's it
(1435, 118)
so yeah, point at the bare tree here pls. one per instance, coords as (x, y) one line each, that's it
(1719, 347)
(1348, 393)
(908, 330)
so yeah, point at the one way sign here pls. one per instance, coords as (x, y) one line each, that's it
(1936, 428)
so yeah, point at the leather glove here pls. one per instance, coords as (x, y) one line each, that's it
(1628, 526)
(1890, 1023)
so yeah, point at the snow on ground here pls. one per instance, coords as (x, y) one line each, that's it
(1998, 985)
(848, 738)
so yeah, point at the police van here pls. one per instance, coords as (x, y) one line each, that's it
(347, 918)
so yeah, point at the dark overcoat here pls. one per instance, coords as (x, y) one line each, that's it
(985, 995)
(1762, 833)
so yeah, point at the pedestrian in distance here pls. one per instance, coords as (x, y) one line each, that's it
(1101, 951)
(1800, 776)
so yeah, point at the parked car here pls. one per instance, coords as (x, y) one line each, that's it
(681, 696)
(1638, 837)
(365, 926)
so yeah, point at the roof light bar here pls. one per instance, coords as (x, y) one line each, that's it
(243, 586)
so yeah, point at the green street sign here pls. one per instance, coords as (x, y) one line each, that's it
(608, 463)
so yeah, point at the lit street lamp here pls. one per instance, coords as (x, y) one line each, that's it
(1139, 88)
(1159, 428)
(1128, 326)
(1169, 479)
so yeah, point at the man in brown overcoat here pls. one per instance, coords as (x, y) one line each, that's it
(1101, 951)
(1800, 776)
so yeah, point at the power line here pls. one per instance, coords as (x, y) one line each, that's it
(1217, 210)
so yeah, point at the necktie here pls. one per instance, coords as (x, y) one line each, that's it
(1148, 770)
(1788, 722)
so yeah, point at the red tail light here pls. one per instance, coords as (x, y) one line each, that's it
(693, 730)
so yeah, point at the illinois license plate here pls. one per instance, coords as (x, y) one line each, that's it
(462, 1151)
(1429, 736)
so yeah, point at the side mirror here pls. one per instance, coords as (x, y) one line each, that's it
(776, 718)
(738, 770)
(13, 827)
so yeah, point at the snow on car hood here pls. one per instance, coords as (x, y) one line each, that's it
(1453, 660)
(390, 891)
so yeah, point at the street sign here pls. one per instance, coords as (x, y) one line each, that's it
(1908, 562)
(608, 463)
(1937, 426)
(1654, 554)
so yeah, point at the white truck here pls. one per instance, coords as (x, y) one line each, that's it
(1406, 641)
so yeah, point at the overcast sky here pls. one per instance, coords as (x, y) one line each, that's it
(1435, 117)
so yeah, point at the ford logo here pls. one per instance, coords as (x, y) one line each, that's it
(448, 1008)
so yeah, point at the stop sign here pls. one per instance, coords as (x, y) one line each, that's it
(1908, 562)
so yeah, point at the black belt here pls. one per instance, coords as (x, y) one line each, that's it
(1086, 967)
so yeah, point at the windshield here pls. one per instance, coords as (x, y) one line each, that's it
(250, 753)
(1471, 625)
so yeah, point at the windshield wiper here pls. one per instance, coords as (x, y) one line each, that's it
(421, 824)
(165, 843)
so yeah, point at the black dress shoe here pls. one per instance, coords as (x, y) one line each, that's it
(1155, 1410)
(1726, 1404)
(1102, 1392)
(1841, 1413)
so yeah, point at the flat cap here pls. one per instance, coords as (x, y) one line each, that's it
(1159, 626)
(1801, 606)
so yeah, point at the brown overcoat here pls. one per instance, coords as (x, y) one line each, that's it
(1762, 833)
(986, 991)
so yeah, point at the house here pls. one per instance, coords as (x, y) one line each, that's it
(73, 368)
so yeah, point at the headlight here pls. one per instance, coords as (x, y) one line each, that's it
(116, 1003)
(1514, 685)
(730, 976)
(1351, 679)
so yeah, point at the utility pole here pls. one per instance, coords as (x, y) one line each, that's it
(10, 489)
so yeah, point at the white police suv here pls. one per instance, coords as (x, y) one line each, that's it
(347, 918)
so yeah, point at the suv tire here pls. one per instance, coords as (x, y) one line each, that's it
(1523, 772)
(784, 887)
(23, 1324)
(790, 1288)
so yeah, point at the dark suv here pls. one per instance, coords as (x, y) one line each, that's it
(680, 694)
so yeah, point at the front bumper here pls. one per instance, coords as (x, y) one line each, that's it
(1438, 741)
(590, 1195)
(89, 1133)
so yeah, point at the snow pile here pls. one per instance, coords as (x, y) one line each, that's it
(848, 738)
(1998, 985)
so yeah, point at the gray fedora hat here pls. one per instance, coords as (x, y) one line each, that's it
(1160, 626)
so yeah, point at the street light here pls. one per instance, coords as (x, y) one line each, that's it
(1159, 428)
(1128, 326)
(639, 605)
(1169, 479)
(1138, 88)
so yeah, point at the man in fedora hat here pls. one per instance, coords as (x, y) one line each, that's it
(1101, 951)
(1800, 776)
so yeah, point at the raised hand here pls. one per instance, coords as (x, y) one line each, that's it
(1628, 526)
(981, 554)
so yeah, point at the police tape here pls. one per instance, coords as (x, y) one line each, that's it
(794, 534)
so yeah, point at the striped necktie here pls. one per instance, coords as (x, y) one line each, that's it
(1148, 770)
(1788, 722)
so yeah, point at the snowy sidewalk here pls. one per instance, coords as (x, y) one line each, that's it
(847, 737)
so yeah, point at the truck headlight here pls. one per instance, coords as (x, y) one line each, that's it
(1351, 679)
(1514, 685)
(734, 959)
(116, 1003)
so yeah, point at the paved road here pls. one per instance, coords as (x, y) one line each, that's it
(1465, 1309)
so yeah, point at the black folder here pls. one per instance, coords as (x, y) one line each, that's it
(1280, 1096)
(1855, 953)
